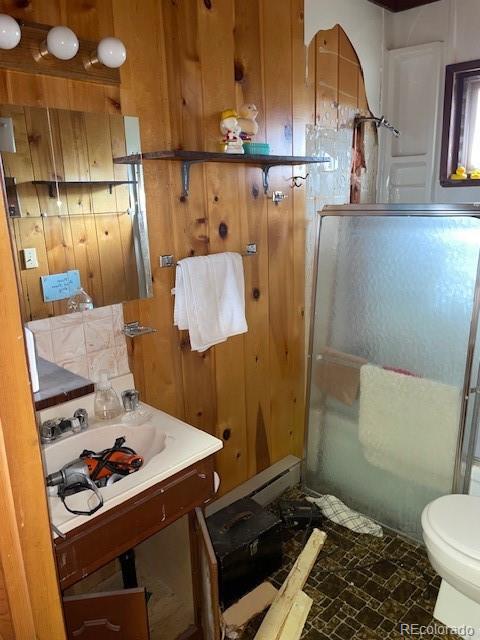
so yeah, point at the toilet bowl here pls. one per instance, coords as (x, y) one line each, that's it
(451, 531)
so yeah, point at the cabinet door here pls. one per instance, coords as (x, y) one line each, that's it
(115, 615)
(207, 580)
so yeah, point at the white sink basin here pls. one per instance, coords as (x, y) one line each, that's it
(166, 444)
(146, 439)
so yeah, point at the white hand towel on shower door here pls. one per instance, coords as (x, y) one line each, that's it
(210, 298)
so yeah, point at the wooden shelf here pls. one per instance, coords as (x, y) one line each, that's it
(211, 156)
(51, 184)
(187, 158)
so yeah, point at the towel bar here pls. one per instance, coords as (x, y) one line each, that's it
(169, 261)
(340, 361)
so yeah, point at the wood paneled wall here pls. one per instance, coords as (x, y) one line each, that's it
(340, 87)
(86, 227)
(187, 61)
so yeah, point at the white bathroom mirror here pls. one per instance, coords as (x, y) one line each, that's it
(76, 216)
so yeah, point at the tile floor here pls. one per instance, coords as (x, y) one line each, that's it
(363, 587)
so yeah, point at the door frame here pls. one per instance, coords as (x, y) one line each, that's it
(26, 548)
(429, 158)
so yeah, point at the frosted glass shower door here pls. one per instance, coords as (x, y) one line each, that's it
(391, 327)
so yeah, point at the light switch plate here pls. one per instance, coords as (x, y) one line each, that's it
(29, 257)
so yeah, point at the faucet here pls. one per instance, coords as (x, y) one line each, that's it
(52, 429)
(131, 400)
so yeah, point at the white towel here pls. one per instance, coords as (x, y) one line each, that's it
(210, 298)
(337, 511)
(409, 426)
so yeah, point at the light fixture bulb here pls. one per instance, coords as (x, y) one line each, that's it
(111, 52)
(62, 43)
(10, 33)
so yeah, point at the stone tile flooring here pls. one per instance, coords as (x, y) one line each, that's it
(364, 587)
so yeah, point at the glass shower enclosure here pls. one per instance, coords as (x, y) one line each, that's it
(393, 367)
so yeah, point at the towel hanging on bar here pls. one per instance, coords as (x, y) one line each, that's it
(210, 298)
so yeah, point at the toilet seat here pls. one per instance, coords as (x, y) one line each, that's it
(455, 519)
(451, 530)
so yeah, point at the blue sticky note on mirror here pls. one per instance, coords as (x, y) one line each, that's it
(60, 285)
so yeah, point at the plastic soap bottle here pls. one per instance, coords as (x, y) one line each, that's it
(107, 404)
(80, 301)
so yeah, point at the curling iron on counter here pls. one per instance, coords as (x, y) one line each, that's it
(94, 470)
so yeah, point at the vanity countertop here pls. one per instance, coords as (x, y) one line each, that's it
(58, 385)
(167, 444)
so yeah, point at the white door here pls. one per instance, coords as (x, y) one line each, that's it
(410, 102)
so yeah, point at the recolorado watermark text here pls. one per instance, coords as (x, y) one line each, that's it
(435, 629)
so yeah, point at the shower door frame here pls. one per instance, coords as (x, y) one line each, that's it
(465, 450)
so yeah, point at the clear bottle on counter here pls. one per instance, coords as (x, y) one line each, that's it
(107, 404)
(80, 301)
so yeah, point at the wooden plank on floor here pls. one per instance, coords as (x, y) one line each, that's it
(274, 620)
(293, 627)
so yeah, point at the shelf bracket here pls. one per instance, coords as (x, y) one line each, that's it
(185, 169)
(265, 170)
(185, 179)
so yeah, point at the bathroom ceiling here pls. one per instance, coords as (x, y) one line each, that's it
(401, 5)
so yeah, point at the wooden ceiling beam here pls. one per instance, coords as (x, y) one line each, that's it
(401, 5)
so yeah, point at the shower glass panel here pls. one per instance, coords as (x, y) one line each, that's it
(391, 326)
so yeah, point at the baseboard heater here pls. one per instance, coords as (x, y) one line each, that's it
(264, 487)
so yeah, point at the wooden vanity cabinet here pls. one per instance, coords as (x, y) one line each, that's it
(118, 614)
(98, 542)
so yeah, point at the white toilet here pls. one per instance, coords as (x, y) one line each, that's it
(451, 530)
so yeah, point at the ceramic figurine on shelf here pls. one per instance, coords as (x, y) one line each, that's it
(230, 129)
(247, 121)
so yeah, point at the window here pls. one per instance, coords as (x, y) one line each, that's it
(461, 126)
(469, 150)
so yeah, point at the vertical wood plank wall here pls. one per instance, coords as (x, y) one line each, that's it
(339, 80)
(188, 60)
